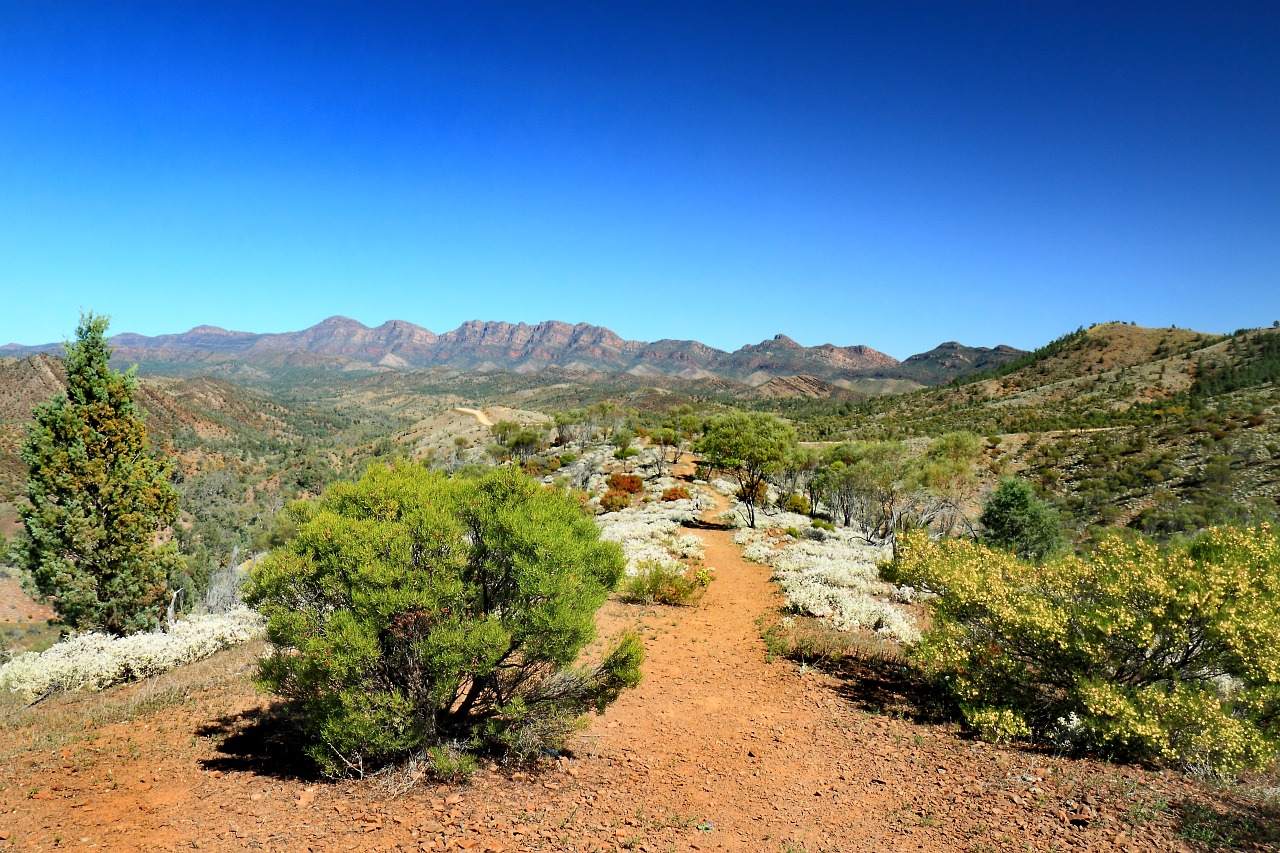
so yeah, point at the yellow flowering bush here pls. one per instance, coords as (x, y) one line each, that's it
(1141, 651)
(998, 725)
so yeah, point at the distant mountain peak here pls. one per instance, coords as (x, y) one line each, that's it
(340, 342)
(340, 322)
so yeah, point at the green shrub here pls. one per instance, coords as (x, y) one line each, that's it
(1139, 651)
(449, 762)
(817, 642)
(660, 583)
(629, 483)
(568, 458)
(615, 500)
(823, 525)
(798, 504)
(413, 611)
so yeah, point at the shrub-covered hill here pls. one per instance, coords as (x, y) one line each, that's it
(1102, 376)
(1088, 353)
(197, 417)
(1164, 430)
(241, 453)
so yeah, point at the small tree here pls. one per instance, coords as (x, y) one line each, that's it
(412, 610)
(504, 430)
(749, 447)
(1016, 520)
(621, 438)
(525, 442)
(664, 438)
(685, 424)
(96, 498)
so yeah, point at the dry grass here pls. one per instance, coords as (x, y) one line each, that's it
(69, 717)
(816, 642)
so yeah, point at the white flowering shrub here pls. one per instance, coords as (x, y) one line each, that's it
(728, 488)
(847, 608)
(686, 546)
(651, 533)
(96, 661)
(758, 552)
(767, 519)
(587, 472)
(834, 579)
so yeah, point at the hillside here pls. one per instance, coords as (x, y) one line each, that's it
(240, 453)
(949, 361)
(1163, 430)
(24, 384)
(191, 415)
(794, 386)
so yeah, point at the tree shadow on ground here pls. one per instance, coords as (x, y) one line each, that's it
(262, 741)
(880, 686)
(699, 524)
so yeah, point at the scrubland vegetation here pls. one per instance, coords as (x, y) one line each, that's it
(1075, 551)
(1134, 651)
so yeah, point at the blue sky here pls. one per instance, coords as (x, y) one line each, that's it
(894, 174)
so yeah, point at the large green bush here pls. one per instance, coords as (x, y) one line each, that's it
(1140, 651)
(412, 610)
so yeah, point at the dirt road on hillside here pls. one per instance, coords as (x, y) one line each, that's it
(477, 414)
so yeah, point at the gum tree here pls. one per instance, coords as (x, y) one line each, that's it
(750, 447)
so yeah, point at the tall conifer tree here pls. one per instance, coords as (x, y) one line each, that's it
(97, 497)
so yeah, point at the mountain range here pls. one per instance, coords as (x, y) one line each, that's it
(340, 343)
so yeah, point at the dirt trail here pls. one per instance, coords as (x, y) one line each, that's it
(477, 414)
(719, 734)
(717, 749)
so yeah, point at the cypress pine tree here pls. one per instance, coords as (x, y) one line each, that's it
(1016, 520)
(97, 497)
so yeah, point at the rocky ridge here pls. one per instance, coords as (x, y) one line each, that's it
(345, 344)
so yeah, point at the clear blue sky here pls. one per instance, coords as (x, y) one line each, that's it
(888, 173)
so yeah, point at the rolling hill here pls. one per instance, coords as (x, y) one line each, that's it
(1163, 430)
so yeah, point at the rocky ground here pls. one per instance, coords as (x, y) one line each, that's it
(720, 748)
